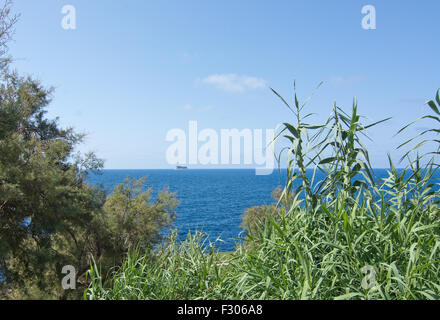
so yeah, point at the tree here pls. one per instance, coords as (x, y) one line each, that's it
(43, 193)
(254, 218)
(130, 220)
(7, 22)
(49, 216)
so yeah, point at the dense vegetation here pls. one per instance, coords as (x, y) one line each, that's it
(49, 216)
(350, 236)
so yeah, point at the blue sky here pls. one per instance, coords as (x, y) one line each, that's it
(133, 70)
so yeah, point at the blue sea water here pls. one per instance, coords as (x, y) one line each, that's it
(211, 201)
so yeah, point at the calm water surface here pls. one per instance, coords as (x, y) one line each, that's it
(210, 200)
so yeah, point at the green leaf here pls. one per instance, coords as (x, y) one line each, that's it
(433, 106)
(282, 99)
(348, 296)
(376, 123)
(328, 160)
(292, 130)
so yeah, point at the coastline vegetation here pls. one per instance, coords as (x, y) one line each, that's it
(49, 216)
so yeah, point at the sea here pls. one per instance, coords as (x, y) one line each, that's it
(211, 201)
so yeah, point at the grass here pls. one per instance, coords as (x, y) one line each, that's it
(304, 256)
(349, 236)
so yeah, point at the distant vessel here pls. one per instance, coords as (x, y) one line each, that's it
(181, 168)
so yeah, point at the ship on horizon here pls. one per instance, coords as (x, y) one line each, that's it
(181, 168)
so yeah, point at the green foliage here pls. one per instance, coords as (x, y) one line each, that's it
(130, 220)
(7, 23)
(49, 216)
(133, 219)
(318, 246)
(428, 136)
(176, 271)
(333, 148)
(42, 189)
(256, 216)
(304, 256)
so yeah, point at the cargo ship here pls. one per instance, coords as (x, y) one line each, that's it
(181, 168)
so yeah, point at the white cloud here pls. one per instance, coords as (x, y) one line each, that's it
(234, 83)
